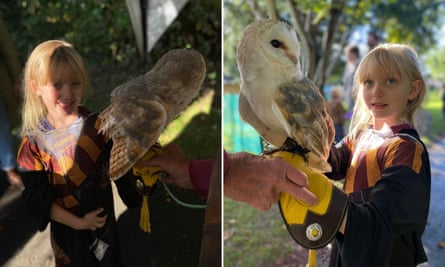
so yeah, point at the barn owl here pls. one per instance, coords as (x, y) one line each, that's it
(141, 108)
(275, 97)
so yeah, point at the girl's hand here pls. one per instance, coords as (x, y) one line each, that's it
(331, 129)
(92, 220)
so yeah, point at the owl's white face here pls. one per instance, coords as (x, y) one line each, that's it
(267, 55)
(279, 44)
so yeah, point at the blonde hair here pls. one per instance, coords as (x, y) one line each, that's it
(47, 60)
(391, 59)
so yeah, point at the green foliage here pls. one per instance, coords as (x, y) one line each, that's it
(402, 21)
(325, 26)
(236, 19)
(100, 30)
(102, 33)
(198, 26)
(435, 60)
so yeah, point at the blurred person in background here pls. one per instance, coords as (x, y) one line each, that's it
(352, 59)
(10, 71)
(337, 113)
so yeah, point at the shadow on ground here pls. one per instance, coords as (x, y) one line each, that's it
(16, 224)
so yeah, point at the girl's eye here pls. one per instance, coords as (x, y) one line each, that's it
(367, 83)
(391, 81)
(75, 84)
(58, 86)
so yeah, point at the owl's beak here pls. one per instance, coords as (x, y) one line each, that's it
(292, 58)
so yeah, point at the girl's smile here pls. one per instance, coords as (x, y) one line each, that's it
(378, 106)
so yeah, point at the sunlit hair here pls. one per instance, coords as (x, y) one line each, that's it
(394, 60)
(47, 62)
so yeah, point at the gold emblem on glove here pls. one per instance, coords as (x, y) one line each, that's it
(314, 232)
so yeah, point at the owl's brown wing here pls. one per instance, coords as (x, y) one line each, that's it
(134, 124)
(302, 110)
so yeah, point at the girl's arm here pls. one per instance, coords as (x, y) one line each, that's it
(91, 220)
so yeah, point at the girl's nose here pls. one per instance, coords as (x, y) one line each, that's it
(377, 89)
(68, 91)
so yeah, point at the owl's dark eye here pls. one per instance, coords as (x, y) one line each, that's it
(275, 43)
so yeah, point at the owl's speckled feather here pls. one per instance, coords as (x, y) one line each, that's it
(275, 98)
(141, 108)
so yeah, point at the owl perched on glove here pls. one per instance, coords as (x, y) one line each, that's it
(141, 108)
(275, 98)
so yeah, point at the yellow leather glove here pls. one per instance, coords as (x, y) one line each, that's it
(145, 179)
(312, 226)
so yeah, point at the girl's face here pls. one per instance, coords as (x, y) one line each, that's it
(386, 96)
(61, 95)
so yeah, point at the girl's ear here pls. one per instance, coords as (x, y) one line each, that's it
(417, 85)
(35, 87)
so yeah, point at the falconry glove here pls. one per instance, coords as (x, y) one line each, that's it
(312, 226)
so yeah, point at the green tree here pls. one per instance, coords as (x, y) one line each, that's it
(100, 30)
(435, 61)
(323, 27)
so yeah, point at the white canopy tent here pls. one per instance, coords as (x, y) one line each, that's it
(150, 19)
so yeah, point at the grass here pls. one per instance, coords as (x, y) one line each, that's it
(197, 128)
(433, 104)
(254, 238)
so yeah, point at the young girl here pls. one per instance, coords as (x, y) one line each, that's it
(385, 165)
(64, 161)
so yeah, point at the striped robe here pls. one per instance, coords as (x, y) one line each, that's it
(69, 166)
(387, 175)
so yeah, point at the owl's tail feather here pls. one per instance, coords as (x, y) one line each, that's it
(318, 163)
(119, 162)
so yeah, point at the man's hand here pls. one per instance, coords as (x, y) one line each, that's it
(173, 161)
(258, 180)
